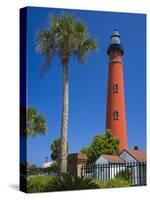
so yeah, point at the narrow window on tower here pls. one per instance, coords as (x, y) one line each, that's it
(116, 115)
(115, 88)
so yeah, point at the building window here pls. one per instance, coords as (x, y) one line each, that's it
(115, 88)
(116, 115)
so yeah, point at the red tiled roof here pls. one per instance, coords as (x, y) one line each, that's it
(112, 158)
(138, 155)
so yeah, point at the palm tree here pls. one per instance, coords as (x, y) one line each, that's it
(64, 37)
(31, 122)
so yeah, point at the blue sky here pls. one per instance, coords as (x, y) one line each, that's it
(88, 82)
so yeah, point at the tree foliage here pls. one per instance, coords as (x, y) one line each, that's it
(55, 149)
(54, 166)
(31, 122)
(101, 144)
(65, 36)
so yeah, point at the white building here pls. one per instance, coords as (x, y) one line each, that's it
(133, 155)
(47, 164)
(136, 159)
(108, 166)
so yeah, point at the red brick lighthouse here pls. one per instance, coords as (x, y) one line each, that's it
(116, 116)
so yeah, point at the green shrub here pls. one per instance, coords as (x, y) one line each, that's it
(113, 183)
(38, 183)
(68, 182)
(125, 174)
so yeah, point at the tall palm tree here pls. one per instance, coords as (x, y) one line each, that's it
(66, 36)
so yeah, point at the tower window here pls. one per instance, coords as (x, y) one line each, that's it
(116, 115)
(115, 88)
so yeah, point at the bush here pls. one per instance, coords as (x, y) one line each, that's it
(38, 183)
(60, 183)
(124, 174)
(113, 183)
(68, 182)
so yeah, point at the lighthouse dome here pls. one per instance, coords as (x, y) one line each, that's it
(115, 43)
(115, 37)
(115, 33)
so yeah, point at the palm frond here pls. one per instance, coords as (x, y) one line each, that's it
(66, 36)
(80, 29)
(47, 46)
(31, 122)
(85, 47)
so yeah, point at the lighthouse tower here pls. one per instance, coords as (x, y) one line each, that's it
(116, 116)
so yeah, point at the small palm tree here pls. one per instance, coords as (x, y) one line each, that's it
(65, 37)
(31, 122)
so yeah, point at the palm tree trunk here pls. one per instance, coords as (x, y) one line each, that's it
(64, 120)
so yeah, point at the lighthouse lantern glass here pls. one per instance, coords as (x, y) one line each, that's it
(115, 40)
